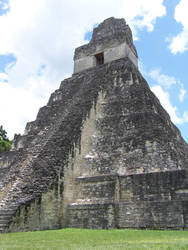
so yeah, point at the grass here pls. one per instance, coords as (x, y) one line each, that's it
(81, 239)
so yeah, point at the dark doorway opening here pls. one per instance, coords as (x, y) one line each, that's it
(99, 58)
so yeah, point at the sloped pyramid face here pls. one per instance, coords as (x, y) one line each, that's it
(103, 153)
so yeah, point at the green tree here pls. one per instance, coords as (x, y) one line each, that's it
(5, 144)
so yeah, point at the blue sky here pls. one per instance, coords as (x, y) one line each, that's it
(154, 53)
(38, 39)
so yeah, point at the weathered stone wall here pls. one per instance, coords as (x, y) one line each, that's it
(110, 54)
(113, 37)
(151, 215)
(84, 63)
(43, 213)
(6, 160)
(110, 33)
(118, 52)
(153, 200)
(147, 200)
(100, 216)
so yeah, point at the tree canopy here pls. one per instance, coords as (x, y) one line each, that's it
(5, 143)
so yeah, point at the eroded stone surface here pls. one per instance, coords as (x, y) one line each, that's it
(102, 153)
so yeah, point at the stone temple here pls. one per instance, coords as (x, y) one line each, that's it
(102, 153)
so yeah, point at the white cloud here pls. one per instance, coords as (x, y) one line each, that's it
(17, 107)
(165, 102)
(179, 43)
(164, 98)
(143, 13)
(185, 116)
(182, 93)
(167, 82)
(41, 32)
(3, 77)
(142, 67)
(4, 5)
(162, 79)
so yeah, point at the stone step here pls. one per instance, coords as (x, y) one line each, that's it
(4, 221)
(10, 207)
(7, 212)
(5, 216)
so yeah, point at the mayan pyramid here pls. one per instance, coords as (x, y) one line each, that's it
(102, 153)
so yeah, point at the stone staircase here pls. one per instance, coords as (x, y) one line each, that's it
(10, 203)
(36, 162)
(6, 217)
